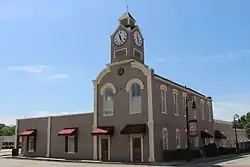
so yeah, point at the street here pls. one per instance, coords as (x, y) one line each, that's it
(241, 161)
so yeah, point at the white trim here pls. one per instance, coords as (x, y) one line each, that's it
(126, 51)
(16, 135)
(202, 109)
(120, 63)
(150, 117)
(176, 102)
(107, 85)
(149, 73)
(165, 139)
(131, 137)
(48, 137)
(184, 96)
(142, 67)
(177, 131)
(180, 87)
(134, 49)
(101, 75)
(95, 122)
(133, 81)
(68, 138)
(163, 89)
(100, 146)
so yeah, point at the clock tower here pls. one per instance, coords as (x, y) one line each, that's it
(127, 41)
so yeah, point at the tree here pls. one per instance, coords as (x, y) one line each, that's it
(243, 122)
(7, 130)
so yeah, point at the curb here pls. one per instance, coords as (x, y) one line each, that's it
(94, 162)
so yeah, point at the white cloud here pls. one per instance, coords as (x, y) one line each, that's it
(29, 69)
(11, 120)
(44, 72)
(226, 107)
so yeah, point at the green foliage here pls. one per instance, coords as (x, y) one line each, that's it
(7, 130)
(243, 122)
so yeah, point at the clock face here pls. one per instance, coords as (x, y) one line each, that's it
(120, 37)
(137, 38)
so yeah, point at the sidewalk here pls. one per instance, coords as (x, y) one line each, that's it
(171, 163)
(5, 152)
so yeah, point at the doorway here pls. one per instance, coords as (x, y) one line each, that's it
(104, 148)
(136, 148)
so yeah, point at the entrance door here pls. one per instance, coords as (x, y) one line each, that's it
(104, 149)
(136, 149)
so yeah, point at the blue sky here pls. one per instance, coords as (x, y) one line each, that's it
(52, 50)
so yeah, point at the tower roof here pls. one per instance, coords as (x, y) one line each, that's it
(127, 15)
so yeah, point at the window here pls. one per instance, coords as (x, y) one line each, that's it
(202, 109)
(175, 102)
(196, 141)
(184, 98)
(71, 141)
(31, 143)
(136, 91)
(107, 91)
(178, 139)
(209, 111)
(165, 138)
(194, 109)
(134, 87)
(163, 99)
(108, 102)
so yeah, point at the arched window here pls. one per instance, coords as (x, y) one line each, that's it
(107, 91)
(134, 87)
(108, 94)
(136, 90)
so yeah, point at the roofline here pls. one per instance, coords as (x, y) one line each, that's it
(181, 86)
(56, 116)
(222, 121)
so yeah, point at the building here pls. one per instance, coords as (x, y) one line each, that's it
(225, 135)
(137, 113)
(8, 142)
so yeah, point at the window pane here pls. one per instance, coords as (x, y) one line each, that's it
(108, 95)
(71, 144)
(31, 143)
(136, 90)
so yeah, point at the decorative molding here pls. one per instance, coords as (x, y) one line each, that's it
(126, 51)
(131, 137)
(120, 63)
(175, 91)
(16, 134)
(95, 122)
(100, 146)
(141, 66)
(184, 94)
(133, 81)
(107, 85)
(101, 75)
(149, 74)
(48, 137)
(163, 87)
(136, 50)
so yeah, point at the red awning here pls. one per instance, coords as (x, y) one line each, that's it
(219, 135)
(107, 130)
(28, 133)
(71, 131)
